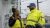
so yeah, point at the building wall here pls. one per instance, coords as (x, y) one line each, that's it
(0, 14)
(44, 6)
(4, 9)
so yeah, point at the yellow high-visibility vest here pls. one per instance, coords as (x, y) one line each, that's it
(33, 17)
(18, 25)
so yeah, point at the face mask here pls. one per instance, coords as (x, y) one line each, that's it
(31, 8)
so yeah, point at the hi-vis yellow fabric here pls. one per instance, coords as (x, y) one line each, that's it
(42, 19)
(18, 25)
(33, 17)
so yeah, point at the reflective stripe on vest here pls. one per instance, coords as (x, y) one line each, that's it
(32, 21)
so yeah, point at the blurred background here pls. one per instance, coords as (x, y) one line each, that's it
(6, 5)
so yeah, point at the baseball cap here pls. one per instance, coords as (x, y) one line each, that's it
(32, 4)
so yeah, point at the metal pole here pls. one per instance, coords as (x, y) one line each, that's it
(37, 5)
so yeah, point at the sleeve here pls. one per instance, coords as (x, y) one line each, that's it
(11, 21)
(42, 19)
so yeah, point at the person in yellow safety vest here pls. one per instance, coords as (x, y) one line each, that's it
(35, 18)
(15, 20)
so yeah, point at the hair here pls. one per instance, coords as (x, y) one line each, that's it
(13, 10)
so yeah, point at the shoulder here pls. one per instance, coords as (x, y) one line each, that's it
(11, 17)
(39, 11)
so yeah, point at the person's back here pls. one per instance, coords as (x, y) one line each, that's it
(35, 17)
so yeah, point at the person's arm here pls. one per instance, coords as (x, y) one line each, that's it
(42, 19)
(11, 21)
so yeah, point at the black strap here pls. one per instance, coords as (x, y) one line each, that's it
(38, 19)
(20, 23)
